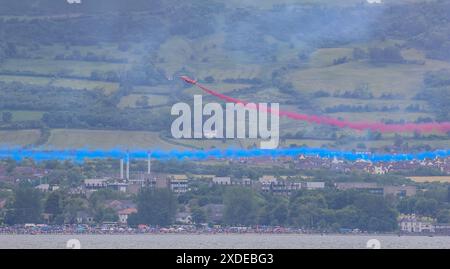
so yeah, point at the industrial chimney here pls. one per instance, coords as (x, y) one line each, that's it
(121, 169)
(149, 163)
(128, 168)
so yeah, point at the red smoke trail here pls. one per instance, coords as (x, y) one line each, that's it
(380, 127)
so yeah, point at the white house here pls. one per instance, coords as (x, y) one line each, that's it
(95, 183)
(183, 218)
(43, 187)
(222, 180)
(268, 179)
(124, 213)
(314, 185)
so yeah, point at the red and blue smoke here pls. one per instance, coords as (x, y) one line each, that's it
(81, 155)
(442, 127)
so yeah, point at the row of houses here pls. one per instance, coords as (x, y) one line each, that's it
(374, 188)
(379, 168)
(277, 185)
(176, 183)
(21, 172)
(413, 224)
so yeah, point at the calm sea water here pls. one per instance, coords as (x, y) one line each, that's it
(260, 241)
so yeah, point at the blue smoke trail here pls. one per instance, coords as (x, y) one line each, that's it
(81, 155)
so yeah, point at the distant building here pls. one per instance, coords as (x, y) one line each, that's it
(134, 188)
(95, 184)
(313, 185)
(124, 213)
(84, 217)
(179, 183)
(160, 182)
(268, 179)
(140, 179)
(242, 182)
(416, 224)
(183, 218)
(374, 188)
(380, 170)
(442, 228)
(281, 188)
(43, 187)
(355, 185)
(222, 180)
(374, 1)
(400, 191)
(118, 205)
(118, 186)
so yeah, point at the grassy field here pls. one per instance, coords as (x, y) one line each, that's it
(403, 79)
(129, 101)
(102, 139)
(325, 57)
(442, 179)
(24, 115)
(18, 138)
(205, 57)
(26, 80)
(106, 87)
(218, 143)
(379, 116)
(52, 67)
(153, 89)
(78, 84)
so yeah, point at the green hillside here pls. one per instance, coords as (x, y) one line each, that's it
(89, 76)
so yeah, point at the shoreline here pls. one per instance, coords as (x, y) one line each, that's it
(228, 233)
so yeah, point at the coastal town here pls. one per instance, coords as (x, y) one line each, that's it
(120, 188)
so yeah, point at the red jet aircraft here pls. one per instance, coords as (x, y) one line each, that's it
(189, 80)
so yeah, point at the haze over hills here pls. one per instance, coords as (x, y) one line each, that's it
(103, 73)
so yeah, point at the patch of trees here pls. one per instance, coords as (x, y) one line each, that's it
(321, 94)
(414, 108)
(432, 205)
(361, 92)
(252, 81)
(7, 117)
(327, 211)
(390, 96)
(341, 60)
(423, 24)
(139, 74)
(155, 207)
(26, 206)
(297, 135)
(423, 120)
(89, 57)
(68, 108)
(436, 91)
(241, 207)
(385, 55)
(361, 108)
(359, 54)
(8, 50)
(191, 20)
(375, 55)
